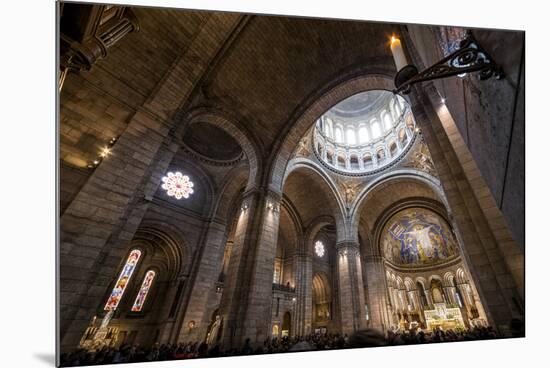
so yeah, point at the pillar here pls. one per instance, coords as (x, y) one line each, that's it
(350, 287)
(303, 264)
(247, 297)
(379, 312)
(494, 259)
(204, 276)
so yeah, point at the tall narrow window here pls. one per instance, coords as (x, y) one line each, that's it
(123, 280)
(326, 127)
(363, 134)
(143, 291)
(387, 121)
(350, 136)
(376, 132)
(338, 136)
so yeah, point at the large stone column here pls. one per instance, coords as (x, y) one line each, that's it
(377, 290)
(304, 278)
(205, 274)
(493, 257)
(246, 300)
(350, 287)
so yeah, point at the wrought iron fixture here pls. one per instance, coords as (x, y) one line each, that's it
(469, 58)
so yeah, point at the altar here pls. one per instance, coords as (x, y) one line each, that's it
(443, 318)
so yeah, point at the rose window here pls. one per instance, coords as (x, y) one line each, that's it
(177, 185)
(319, 248)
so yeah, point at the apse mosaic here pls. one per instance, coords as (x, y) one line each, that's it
(416, 236)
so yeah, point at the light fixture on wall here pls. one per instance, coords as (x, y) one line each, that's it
(104, 153)
(469, 58)
(244, 206)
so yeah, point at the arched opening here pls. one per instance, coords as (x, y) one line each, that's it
(422, 292)
(341, 160)
(436, 289)
(322, 302)
(275, 330)
(286, 328)
(367, 159)
(134, 305)
(393, 149)
(354, 162)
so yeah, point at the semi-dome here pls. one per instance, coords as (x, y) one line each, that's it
(417, 237)
(365, 132)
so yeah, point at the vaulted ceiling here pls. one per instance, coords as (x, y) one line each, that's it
(270, 68)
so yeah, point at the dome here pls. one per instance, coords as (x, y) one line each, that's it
(365, 132)
(417, 237)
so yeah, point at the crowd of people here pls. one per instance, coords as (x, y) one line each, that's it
(364, 338)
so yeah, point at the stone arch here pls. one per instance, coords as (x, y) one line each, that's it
(360, 201)
(290, 233)
(172, 242)
(330, 187)
(321, 288)
(409, 284)
(461, 277)
(165, 253)
(313, 230)
(399, 283)
(298, 128)
(229, 192)
(448, 279)
(248, 144)
(436, 289)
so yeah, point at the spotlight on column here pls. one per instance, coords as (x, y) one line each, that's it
(272, 207)
(244, 206)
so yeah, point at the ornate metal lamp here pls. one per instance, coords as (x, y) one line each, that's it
(469, 58)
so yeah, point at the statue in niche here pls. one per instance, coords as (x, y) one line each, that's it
(212, 335)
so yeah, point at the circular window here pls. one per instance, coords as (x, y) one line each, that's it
(319, 248)
(177, 185)
(365, 132)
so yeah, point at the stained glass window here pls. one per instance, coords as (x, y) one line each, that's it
(319, 248)
(143, 291)
(177, 185)
(123, 280)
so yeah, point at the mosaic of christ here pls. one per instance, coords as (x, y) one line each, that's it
(416, 236)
